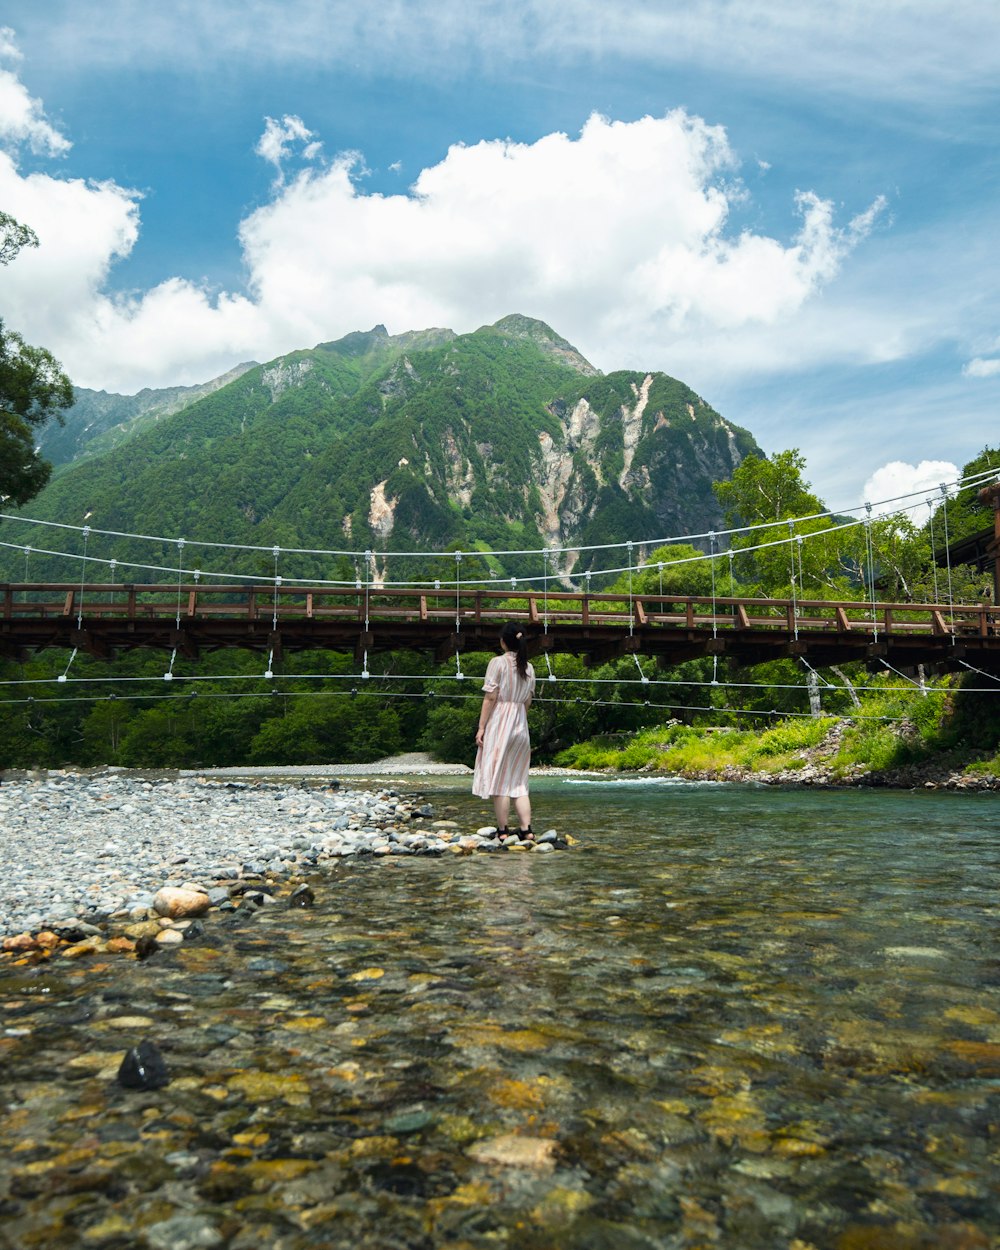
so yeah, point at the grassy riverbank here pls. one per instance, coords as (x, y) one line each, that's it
(897, 735)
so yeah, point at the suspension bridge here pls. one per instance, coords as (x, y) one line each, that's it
(120, 603)
(189, 618)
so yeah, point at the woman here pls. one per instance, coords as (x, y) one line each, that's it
(504, 752)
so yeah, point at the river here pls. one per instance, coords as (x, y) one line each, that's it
(732, 1016)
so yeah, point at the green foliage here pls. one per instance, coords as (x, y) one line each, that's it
(687, 750)
(787, 737)
(963, 513)
(450, 732)
(328, 728)
(32, 389)
(14, 236)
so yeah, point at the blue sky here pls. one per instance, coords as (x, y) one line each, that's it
(792, 206)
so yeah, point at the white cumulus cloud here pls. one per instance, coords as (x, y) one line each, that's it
(22, 118)
(276, 141)
(887, 486)
(982, 367)
(620, 237)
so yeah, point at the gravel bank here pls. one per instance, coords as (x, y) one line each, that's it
(97, 848)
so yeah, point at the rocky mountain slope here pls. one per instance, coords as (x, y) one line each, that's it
(503, 438)
(99, 421)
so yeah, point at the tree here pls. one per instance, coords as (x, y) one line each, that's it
(771, 494)
(767, 489)
(33, 388)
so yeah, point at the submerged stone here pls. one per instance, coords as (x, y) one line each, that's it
(184, 1232)
(302, 896)
(509, 1150)
(144, 1068)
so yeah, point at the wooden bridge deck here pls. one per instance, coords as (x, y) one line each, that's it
(105, 619)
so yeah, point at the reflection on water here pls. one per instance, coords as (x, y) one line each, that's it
(733, 1017)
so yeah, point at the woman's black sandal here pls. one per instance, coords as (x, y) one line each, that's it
(525, 835)
(502, 835)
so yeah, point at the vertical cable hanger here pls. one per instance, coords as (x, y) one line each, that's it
(458, 592)
(63, 676)
(732, 583)
(631, 606)
(269, 671)
(368, 572)
(934, 567)
(180, 570)
(27, 554)
(459, 675)
(795, 601)
(802, 575)
(276, 552)
(715, 625)
(870, 550)
(715, 622)
(545, 589)
(83, 577)
(169, 674)
(947, 551)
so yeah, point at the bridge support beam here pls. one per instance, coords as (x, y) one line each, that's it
(274, 645)
(365, 642)
(540, 643)
(185, 644)
(613, 650)
(449, 646)
(86, 641)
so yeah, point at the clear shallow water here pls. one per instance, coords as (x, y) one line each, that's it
(733, 1016)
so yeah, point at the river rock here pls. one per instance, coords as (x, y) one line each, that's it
(144, 1068)
(175, 902)
(510, 1150)
(184, 1232)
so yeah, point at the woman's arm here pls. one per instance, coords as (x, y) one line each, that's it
(489, 703)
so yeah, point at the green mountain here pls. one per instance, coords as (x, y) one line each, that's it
(99, 421)
(505, 438)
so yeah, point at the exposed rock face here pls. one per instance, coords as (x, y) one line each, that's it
(632, 424)
(279, 377)
(382, 513)
(661, 460)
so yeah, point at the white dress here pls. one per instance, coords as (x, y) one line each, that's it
(502, 761)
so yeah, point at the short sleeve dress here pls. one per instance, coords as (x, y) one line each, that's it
(503, 759)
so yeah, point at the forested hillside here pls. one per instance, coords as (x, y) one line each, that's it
(504, 438)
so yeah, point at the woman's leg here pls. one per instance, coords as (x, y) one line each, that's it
(501, 809)
(522, 805)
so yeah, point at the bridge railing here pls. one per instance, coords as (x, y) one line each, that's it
(261, 603)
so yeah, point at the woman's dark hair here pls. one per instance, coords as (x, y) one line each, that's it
(512, 637)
